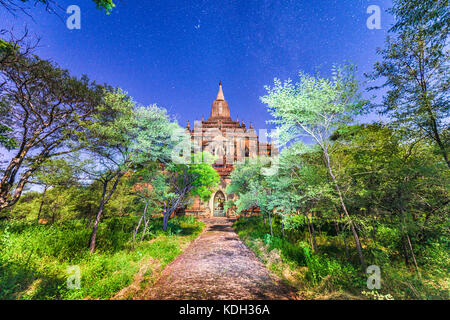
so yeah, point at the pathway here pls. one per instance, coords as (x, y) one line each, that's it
(218, 266)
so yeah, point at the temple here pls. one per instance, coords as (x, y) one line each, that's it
(231, 142)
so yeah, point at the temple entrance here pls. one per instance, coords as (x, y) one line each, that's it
(219, 202)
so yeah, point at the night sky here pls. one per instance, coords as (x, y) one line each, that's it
(173, 53)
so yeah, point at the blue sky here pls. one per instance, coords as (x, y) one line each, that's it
(173, 53)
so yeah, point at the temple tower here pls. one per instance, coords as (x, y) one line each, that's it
(230, 141)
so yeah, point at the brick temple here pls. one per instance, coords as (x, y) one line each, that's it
(231, 142)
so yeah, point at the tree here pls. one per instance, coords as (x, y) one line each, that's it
(52, 173)
(314, 107)
(393, 182)
(8, 54)
(13, 6)
(124, 135)
(253, 188)
(432, 15)
(150, 186)
(185, 181)
(301, 187)
(45, 110)
(415, 66)
(241, 185)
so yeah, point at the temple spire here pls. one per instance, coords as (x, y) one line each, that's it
(220, 94)
(219, 109)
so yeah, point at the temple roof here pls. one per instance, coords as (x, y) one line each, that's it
(220, 109)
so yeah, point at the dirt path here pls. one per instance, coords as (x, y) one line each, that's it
(217, 265)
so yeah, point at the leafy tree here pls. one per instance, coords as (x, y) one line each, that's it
(18, 5)
(149, 185)
(53, 173)
(124, 135)
(432, 15)
(241, 185)
(45, 110)
(393, 182)
(314, 107)
(301, 187)
(185, 181)
(415, 66)
(297, 187)
(252, 188)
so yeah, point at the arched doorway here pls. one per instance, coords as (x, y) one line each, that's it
(218, 204)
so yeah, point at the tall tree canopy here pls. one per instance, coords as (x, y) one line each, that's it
(186, 180)
(314, 107)
(125, 135)
(415, 71)
(19, 5)
(43, 114)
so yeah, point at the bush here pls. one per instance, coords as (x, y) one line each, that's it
(320, 267)
(34, 258)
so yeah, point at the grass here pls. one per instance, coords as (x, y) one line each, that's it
(34, 259)
(327, 274)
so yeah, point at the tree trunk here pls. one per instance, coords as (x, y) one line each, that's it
(42, 203)
(313, 234)
(101, 207)
(344, 208)
(336, 227)
(270, 223)
(94, 229)
(405, 251)
(166, 220)
(137, 228)
(168, 210)
(318, 224)
(146, 220)
(7, 199)
(413, 255)
(434, 127)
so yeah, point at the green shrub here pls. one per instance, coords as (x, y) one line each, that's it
(34, 258)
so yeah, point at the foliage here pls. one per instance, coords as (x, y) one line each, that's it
(45, 109)
(414, 68)
(15, 5)
(99, 155)
(34, 258)
(124, 135)
(316, 106)
(6, 141)
(184, 181)
(326, 275)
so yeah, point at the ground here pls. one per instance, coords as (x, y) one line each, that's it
(216, 266)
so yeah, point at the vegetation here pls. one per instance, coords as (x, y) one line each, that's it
(385, 184)
(34, 258)
(90, 154)
(46, 110)
(92, 179)
(414, 67)
(327, 274)
(21, 5)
